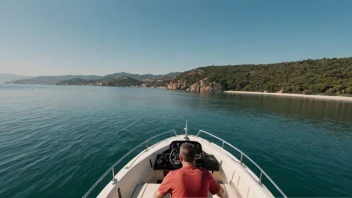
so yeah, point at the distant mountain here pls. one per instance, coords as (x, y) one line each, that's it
(75, 81)
(139, 77)
(124, 82)
(53, 80)
(4, 78)
(117, 82)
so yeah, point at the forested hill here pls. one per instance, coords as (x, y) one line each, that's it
(323, 76)
(119, 82)
(139, 77)
(75, 81)
(124, 82)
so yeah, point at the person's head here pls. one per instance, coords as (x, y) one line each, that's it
(187, 154)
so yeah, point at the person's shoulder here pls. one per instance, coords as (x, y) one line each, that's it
(173, 173)
(205, 172)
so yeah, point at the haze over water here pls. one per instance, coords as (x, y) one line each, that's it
(56, 141)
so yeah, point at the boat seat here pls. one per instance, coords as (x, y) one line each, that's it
(147, 190)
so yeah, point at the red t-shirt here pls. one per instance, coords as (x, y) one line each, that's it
(189, 181)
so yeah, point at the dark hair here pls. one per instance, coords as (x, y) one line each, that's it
(188, 152)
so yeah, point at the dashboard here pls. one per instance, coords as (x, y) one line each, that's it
(169, 159)
(177, 144)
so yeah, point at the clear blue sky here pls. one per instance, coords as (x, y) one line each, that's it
(100, 37)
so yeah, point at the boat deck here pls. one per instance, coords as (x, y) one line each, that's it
(147, 190)
(139, 179)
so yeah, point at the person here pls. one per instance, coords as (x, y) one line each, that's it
(189, 181)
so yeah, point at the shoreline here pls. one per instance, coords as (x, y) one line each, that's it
(320, 97)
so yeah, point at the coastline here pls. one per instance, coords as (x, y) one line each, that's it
(321, 97)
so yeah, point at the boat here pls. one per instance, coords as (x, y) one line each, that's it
(142, 175)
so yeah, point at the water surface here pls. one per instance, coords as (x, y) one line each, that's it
(56, 141)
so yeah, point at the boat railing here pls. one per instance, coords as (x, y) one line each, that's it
(262, 172)
(122, 158)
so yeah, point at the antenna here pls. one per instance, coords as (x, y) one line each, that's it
(186, 130)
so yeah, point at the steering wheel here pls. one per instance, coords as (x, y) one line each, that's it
(175, 158)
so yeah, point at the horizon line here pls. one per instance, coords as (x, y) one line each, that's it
(240, 64)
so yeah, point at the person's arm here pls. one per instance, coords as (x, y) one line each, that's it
(157, 194)
(164, 188)
(215, 187)
(221, 193)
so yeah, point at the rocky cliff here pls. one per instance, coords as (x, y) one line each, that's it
(200, 86)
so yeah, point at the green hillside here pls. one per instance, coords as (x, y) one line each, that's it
(139, 77)
(74, 81)
(123, 82)
(323, 76)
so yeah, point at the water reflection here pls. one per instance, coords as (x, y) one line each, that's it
(309, 110)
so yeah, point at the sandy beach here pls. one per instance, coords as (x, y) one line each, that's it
(336, 98)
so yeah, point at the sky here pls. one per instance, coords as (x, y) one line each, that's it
(58, 37)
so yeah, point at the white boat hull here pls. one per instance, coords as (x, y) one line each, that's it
(138, 178)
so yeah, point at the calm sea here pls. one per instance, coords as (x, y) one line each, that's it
(56, 141)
